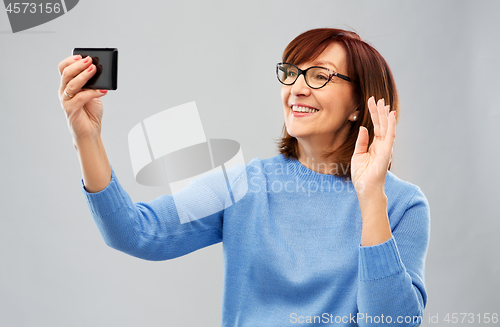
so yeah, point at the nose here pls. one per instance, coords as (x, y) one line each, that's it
(300, 87)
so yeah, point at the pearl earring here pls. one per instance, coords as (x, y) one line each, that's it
(354, 118)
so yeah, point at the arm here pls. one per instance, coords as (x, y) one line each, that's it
(147, 230)
(391, 274)
(94, 163)
(84, 110)
(153, 230)
(391, 260)
(369, 171)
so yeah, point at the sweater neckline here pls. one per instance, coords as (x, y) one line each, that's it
(297, 170)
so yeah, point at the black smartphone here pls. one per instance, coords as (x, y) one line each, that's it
(106, 62)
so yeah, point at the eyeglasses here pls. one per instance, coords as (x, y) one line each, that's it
(316, 77)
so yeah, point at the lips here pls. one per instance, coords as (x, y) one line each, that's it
(303, 108)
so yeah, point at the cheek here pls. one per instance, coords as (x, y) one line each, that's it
(285, 93)
(353, 100)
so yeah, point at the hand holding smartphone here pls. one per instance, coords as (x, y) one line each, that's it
(106, 62)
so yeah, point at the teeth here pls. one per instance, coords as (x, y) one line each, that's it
(303, 109)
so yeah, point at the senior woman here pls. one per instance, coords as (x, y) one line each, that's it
(325, 233)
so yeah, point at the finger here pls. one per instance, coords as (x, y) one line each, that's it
(391, 132)
(374, 115)
(75, 85)
(361, 146)
(73, 70)
(68, 61)
(383, 111)
(83, 97)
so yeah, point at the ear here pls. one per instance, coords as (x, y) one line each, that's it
(354, 116)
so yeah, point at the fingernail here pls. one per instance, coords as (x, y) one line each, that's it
(90, 68)
(86, 59)
(76, 57)
(103, 91)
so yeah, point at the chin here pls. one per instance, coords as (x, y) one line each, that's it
(295, 133)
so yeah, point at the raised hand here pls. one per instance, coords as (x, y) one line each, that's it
(83, 107)
(369, 165)
(84, 110)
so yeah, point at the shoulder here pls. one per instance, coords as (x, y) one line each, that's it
(396, 187)
(258, 166)
(254, 167)
(403, 197)
(257, 171)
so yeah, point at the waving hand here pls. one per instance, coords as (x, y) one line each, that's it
(369, 165)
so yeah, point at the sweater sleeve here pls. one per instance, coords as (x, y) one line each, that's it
(391, 274)
(153, 230)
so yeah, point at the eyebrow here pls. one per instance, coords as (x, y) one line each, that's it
(325, 62)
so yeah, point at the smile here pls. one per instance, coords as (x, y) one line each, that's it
(303, 109)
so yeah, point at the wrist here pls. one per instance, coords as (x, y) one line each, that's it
(88, 138)
(372, 206)
(372, 196)
(376, 228)
(87, 142)
(96, 170)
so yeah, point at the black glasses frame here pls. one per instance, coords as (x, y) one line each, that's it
(303, 72)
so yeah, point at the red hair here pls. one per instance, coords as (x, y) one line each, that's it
(370, 75)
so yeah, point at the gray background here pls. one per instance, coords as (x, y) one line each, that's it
(55, 268)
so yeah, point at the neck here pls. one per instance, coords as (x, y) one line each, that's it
(316, 159)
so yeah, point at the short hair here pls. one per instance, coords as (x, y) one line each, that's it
(370, 75)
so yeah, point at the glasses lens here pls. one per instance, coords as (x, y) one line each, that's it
(287, 73)
(317, 77)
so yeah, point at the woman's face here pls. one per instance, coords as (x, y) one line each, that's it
(327, 127)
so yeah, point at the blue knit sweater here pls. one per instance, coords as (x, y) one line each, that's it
(291, 245)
